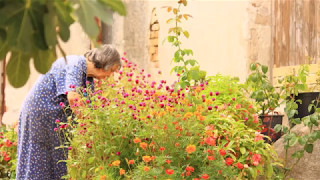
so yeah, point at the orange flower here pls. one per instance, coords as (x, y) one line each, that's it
(169, 171)
(178, 115)
(201, 118)
(137, 140)
(199, 108)
(131, 162)
(177, 144)
(143, 145)
(190, 149)
(146, 159)
(146, 168)
(122, 171)
(188, 114)
(116, 163)
(103, 177)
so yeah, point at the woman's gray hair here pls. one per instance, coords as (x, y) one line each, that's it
(104, 57)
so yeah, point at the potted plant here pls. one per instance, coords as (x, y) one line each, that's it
(267, 98)
(296, 88)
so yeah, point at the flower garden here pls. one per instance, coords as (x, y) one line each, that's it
(200, 127)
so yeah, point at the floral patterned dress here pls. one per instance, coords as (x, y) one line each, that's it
(37, 156)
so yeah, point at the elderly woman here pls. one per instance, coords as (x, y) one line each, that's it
(37, 156)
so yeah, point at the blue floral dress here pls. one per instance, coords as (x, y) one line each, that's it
(37, 156)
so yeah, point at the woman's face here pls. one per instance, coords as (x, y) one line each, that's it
(102, 74)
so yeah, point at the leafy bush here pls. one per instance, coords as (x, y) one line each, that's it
(8, 153)
(136, 129)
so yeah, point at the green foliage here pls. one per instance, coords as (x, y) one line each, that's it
(8, 152)
(132, 129)
(189, 74)
(292, 85)
(31, 29)
(261, 90)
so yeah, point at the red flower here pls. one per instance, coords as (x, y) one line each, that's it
(162, 148)
(168, 161)
(239, 165)
(6, 158)
(190, 168)
(188, 173)
(229, 161)
(210, 158)
(205, 176)
(211, 141)
(222, 152)
(169, 171)
(8, 143)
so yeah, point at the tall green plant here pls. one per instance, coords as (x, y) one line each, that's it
(189, 74)
(31, 29)
(292, 85)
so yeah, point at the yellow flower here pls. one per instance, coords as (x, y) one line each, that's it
(146, 159)
(190, 149)
(188, 114)
(116, 163)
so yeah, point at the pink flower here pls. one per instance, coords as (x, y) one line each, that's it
(258, 136)
(256, 159)
(62, 104)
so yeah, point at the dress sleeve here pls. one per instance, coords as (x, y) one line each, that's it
(72, 78)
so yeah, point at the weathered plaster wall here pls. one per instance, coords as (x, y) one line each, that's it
(224, 35)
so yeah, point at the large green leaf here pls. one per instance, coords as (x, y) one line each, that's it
(18, 70)
(4, 44)
(10, 12)
(50, 28)
(64, 10)
(43, 60)
(87, 12)
(116, 5)
(20, 32)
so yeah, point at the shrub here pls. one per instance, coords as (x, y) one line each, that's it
(8, 153)
(135, 129)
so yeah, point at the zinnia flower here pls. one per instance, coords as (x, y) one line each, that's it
(222, 152)
(169, 171)
(116, 163)
(229, 161)
(190, 149)
(190, 168)
(205, 176)
(146, 159)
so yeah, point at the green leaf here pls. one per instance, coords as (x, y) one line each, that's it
(253, 66)
(264, 69)
(4, 48)
(269, 170)
(116, 5)
(298, 154)
(87, 12)
(91, 159)
(186, 34)
(308, 148)
(20, 32)
(302, 141)
(314, 119)
(243, 150)
(293, 140)
(278, 128)
(50, 29)
(192, 62)
(43, 60)
(18, 70)
(171, 38)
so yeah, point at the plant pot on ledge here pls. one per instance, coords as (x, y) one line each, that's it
(268, 123)
(306, 98)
